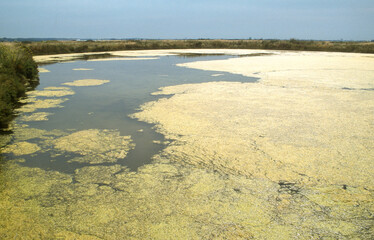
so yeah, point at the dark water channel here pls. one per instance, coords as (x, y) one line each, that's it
(108, 106)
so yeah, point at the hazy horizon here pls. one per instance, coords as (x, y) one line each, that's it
(209, 19)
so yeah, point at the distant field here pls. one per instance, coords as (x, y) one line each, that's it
(59, 47)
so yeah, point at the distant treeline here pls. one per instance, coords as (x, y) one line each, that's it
(59, 47)
(18, 72)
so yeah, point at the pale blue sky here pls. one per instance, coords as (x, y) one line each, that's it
(283, 19)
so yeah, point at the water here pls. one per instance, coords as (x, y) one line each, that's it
(108, 106)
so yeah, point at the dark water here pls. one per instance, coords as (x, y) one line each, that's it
(108, 106)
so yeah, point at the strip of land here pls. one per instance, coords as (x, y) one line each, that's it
(59, 47)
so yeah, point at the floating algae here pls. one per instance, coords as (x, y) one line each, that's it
(217, 74)
(248, 177)
(33, 104)
(57, 88)
(52, 92)
(86, 82)
(299, 69)
(21, 136)
(43, 70)
(24, 133)
(21, 148)
(95, 146)
(304, 135)
(39, 116)
(278, 133)
(165, 200)
(294, 128)
(82, 69)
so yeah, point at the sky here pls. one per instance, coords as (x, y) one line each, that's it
(180, 19)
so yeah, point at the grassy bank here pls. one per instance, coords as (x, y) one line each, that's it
(58, 47)
(18, 72)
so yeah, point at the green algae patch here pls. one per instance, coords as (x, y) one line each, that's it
(97, 174)
(4, 140)
(111, 203)
(24, 133)
(86, 82)
(32, 104)
(217, 74)
(309, 135)
(39, 116)
(164, 200)
(43, 70)
(95, 146)
(21, 148)
(82, 69)
(51, 92)
(302, 131)
(302, 69)
(21, 213)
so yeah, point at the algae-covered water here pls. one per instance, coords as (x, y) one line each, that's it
(107, 106)
(80, 165)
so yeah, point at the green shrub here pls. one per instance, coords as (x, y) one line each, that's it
(57, 47)
(18, 72)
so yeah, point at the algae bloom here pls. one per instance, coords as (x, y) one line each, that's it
(33, 104)
(82, 69)
(86, 82)
(40, 116)
(52, 92)
(21, 148)
(95, 146)
(43, 70)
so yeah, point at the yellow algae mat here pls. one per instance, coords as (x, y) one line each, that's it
(287, 157)
(86, 82)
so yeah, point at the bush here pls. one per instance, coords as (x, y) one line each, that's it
(57, 47)
(18, 72)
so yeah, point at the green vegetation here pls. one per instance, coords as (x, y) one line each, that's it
(58, 47)
(18, 72)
